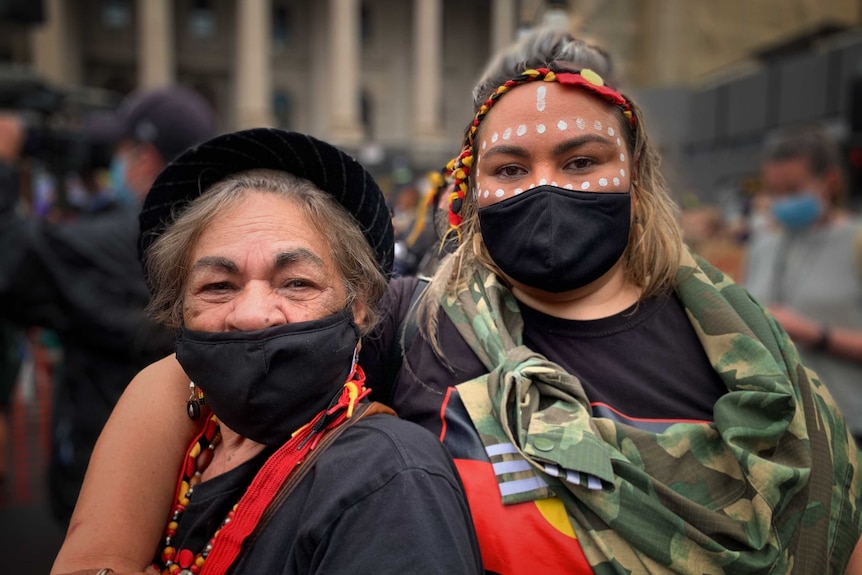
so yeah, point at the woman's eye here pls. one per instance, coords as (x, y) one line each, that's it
(296, 284)
(216, 287)
(582, 163)
(510, 171)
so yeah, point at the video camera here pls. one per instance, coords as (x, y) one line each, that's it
(54, 120)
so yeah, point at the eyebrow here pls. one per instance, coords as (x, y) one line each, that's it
(561, 148)
(282, 259)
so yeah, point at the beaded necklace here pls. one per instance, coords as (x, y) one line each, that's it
(198, 458)
(262, 489)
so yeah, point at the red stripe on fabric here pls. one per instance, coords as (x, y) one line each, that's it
(649, 419)
(443, 414)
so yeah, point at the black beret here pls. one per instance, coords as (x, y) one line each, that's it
(327, 167)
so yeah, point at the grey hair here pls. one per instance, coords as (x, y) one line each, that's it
(538, 49)
(168, 257)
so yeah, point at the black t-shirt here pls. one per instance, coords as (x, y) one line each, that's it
(644, 366)
(383, 498)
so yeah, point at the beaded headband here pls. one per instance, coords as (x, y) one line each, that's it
(459, 168)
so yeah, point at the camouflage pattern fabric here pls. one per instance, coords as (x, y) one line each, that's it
(771, 486)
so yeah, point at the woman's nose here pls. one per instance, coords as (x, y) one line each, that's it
(256, 307)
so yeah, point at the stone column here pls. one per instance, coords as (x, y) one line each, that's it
(427, 66)
(253, 64)
(345, 51)
(156, 66)
(503, 22)
(56, 44)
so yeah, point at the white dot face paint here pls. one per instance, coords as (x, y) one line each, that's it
(622, 157)
(531, 139)
(495, 137)
(540, 98)
(484, 144)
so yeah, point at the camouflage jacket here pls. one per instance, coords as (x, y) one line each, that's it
(770, 486)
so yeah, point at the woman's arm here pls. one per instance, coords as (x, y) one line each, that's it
(126, 497)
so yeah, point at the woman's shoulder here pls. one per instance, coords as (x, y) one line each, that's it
(384, 446)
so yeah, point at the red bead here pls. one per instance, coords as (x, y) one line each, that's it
(185, 558)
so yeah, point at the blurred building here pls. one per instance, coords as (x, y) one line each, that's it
(381, 77)
(390, 79)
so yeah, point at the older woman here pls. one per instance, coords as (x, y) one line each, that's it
(613, 404)
(271, 276)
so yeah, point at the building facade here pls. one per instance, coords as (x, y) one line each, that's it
(390, 80)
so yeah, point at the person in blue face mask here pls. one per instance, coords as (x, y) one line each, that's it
(806, 267)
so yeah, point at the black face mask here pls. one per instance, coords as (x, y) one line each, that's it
(555, 239)
(266, 384)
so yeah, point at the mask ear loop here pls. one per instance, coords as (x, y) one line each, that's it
(355, 361)
(196, 399)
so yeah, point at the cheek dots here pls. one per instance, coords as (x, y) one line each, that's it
(585, 186)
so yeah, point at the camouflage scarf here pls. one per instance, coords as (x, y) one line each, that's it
(771, 486)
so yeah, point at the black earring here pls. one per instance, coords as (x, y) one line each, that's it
(196, 399)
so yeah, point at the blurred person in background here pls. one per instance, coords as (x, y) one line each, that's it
(807, 267)
(82, 278)
(422, 246)
(593, 380)
(706, 233)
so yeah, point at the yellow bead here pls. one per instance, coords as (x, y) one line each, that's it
(467, 161)
(592, 77)
(200, 561)
(196, 450)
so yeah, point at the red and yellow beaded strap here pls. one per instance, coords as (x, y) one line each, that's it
(459, 168)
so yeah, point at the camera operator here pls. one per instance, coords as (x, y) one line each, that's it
(82, 278)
